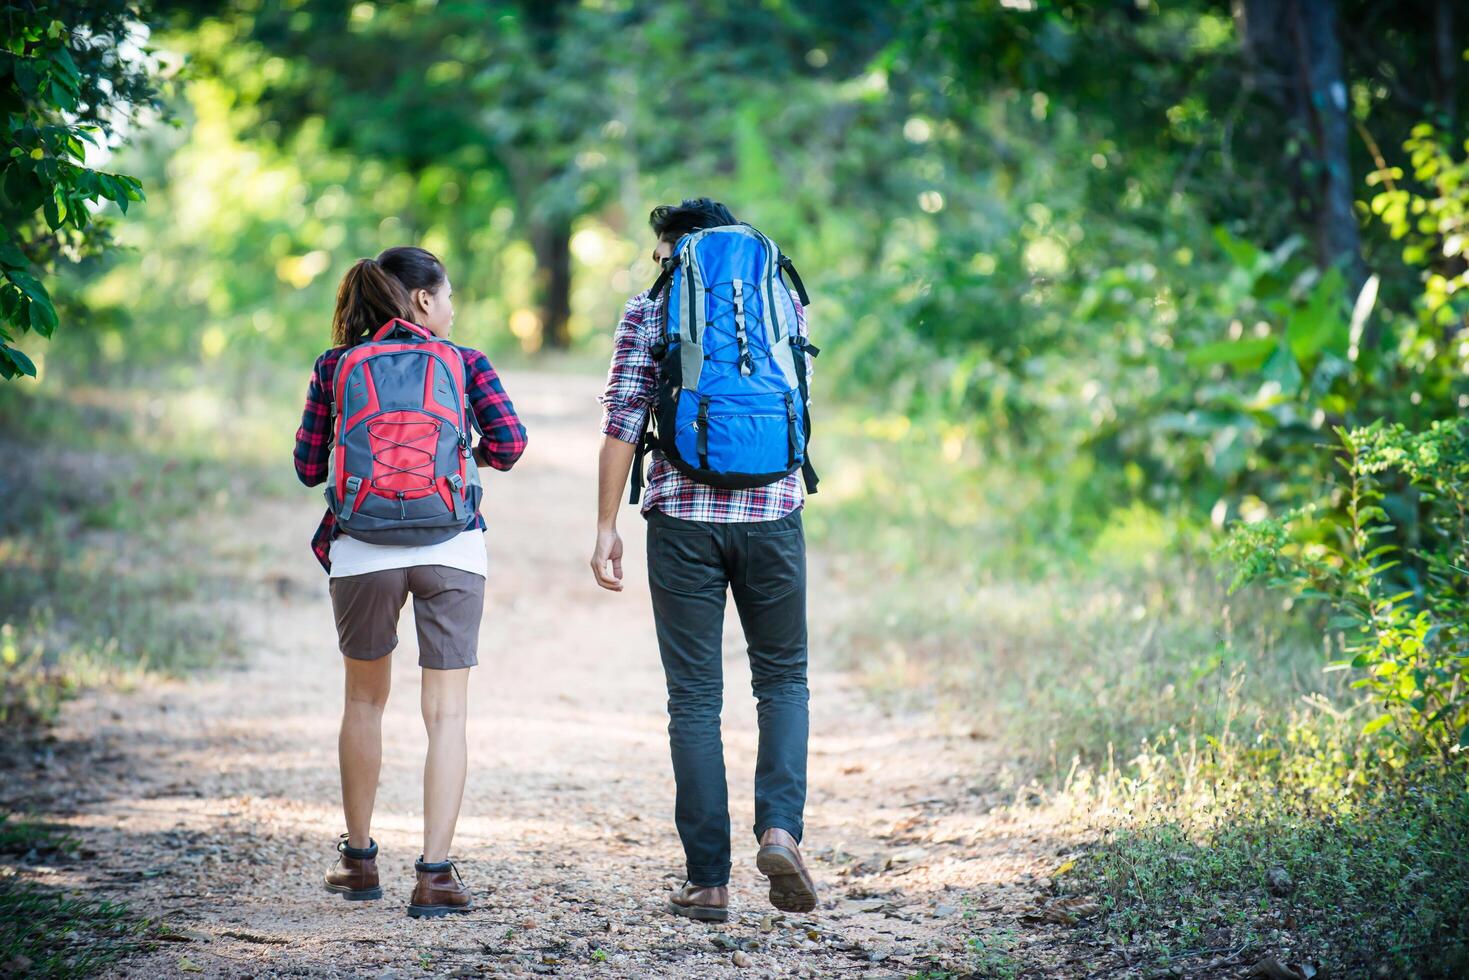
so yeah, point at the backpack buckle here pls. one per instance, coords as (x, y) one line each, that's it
(461, 511)
(354, 486)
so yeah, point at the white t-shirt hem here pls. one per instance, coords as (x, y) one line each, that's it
(464, 551)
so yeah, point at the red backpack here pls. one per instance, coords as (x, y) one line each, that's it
(402, 466)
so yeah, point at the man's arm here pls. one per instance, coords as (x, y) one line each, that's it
(625, 403)
(614, 463)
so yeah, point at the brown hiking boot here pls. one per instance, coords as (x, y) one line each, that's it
(354, 876)
(707, 903)
(779, 859)
(439, 891)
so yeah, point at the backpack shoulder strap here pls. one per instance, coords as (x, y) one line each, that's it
(669, 264)
(639, 461)
(400, 328)
(790, 269)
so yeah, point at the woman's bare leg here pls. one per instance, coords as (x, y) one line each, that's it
(360, 742)
(445, 693)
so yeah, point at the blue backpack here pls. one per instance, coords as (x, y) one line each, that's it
(730, 409)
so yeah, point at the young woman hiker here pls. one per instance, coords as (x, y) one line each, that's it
(403, 474)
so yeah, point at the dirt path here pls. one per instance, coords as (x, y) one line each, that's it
(212, 803)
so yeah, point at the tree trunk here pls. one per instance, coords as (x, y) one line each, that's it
(1296, 61)
(551, 241)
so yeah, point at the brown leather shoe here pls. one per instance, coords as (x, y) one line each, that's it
(354, 876)
(779, 859)
(439, 891)
(708, 903)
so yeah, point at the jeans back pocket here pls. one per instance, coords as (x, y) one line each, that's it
(775, 562)
(682, 561)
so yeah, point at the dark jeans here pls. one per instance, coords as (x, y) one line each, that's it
(691, 565)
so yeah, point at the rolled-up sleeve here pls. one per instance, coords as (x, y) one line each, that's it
(633, 375)
(314, 437)
(504, 438)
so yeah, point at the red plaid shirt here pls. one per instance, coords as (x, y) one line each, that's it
(503, 442)
(631, 381)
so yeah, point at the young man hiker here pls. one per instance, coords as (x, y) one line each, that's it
(716, 354)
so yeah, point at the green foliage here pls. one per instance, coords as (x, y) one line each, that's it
(67, 85)
(106, 569)
(993, 952)
(45, 933)
(1432, 221)
(1401, 595)
(1375, 886)
(1072, 652)
(558, 108)
(29, 839)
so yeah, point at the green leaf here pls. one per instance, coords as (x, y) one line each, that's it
(62, 57)
(131, 186)
(1242, 253)
(1319, 325)
(1376, 724)
(13, 362)
(1282, 368)
(11, 257)
(25, 77)
(65, 97)
(24, 189)
(1247, 354)
(30, 285)
(42, 312)
(55, 211)
(1464, 737)
(43, 317)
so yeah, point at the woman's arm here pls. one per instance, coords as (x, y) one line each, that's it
(314, 438)
(504, 437)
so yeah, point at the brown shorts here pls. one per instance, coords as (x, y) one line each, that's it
(447, 605)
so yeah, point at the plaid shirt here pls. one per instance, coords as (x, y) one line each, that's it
(503, 442)
(631, 381)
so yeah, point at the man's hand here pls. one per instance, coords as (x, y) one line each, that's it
(614, 462)
(608, 552)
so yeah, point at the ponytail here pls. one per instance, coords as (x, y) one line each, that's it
(368, 297)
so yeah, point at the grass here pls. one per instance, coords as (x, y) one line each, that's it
(1377, 884)
(1073, 655)
(106, 562)
(1192, 733)
(108, 571)
(45, 932)
(993, 952)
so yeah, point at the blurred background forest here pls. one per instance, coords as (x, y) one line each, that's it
(1144, 363)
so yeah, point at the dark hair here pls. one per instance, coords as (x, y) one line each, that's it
(375, 290)
(673, 221)
(415, 268)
